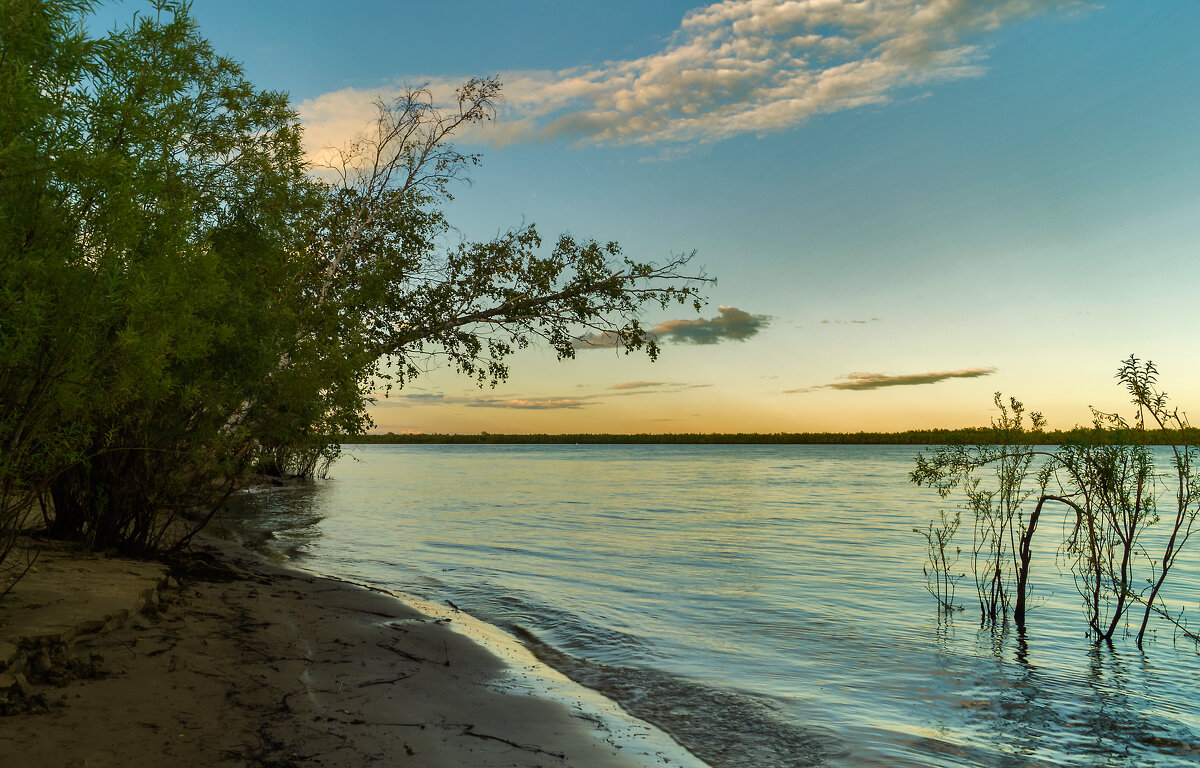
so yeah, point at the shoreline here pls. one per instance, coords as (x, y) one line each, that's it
(240, 662)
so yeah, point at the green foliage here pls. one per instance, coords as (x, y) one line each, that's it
(1112, 487)
(1182, 481)
(181, 302)
(942, 556)
(47, 346)
(1110, 484)
(407, 303)
(179, 181)
(998, 508)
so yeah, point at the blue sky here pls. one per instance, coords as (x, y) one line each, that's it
(921, 202)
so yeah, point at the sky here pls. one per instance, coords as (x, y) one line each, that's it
(907, 206)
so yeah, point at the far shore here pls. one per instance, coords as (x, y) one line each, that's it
(917, 437)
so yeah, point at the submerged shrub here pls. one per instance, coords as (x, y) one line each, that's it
(1111, 485)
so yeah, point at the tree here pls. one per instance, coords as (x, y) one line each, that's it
(379, 281)
(173, 150)
(182, 301)
(46, 345)
(479, 301)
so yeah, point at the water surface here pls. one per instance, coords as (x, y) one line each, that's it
(763, 604)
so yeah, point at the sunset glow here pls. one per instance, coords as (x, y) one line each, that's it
(905, 211)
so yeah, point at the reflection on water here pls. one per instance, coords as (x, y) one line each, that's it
(763, 604)
(282, 522)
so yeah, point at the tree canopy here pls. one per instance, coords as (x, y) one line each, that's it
(183, 298)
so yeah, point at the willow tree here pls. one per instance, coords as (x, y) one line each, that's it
(182, 300)
(46, 345)
(140, 316)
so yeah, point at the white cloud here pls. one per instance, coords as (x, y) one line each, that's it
(733, 67)
(332, 119)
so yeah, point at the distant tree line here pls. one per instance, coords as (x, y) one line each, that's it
(964, 436)
(183, 301)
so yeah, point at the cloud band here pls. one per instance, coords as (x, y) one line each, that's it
(862, 381)
(733, 67)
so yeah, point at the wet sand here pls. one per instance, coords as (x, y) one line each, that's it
(238, 662)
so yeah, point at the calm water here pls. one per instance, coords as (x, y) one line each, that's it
(763, 604)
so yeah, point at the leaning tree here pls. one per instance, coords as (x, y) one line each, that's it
(185, 297)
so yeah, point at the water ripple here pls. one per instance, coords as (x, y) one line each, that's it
(764, 604)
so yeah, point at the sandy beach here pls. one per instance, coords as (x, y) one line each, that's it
(224, 659)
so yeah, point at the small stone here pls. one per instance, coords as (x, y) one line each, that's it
(8, 652)
(42, 664)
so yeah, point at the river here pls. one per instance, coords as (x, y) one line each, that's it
(762, 604)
